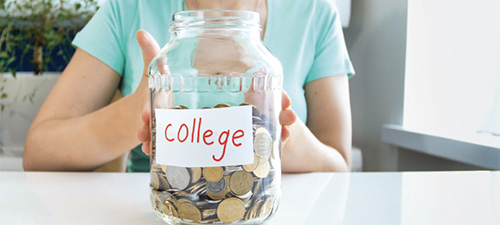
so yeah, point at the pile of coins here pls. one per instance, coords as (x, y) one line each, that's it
(243, 193)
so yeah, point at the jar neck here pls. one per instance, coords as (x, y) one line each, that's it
(216, 23)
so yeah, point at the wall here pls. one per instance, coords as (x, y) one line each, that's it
(376, 40)
(409, 160)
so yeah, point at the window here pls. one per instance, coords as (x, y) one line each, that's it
(453, 68)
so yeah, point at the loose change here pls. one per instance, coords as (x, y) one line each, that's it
(221, 194)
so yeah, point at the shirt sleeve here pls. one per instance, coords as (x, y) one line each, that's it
(102, 38)
(331, 57)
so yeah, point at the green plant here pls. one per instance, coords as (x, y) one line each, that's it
(40, 28)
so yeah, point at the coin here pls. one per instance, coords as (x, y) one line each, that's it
(155, 181)
(178, 177)
(221, 105)
(196, 188)
(180, 201)
(266, 208)
(231, 210)
(213, 174)
(208, 212)
(252, 212)
(262, 170)
(214, 196)
(163, 168)
(256, 120)
(253, 166)
(195, 174)
(169, 209)
(221, 195)
(262, 143)
(182, 106)
(255, 111)
(163, 183)
(217, 187)
(241, 182)
(189, 212)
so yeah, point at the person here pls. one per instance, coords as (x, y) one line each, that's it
(78, 129)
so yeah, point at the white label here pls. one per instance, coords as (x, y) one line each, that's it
(204, 137)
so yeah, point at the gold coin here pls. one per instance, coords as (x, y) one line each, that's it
(262, 170)
(189, 212)
(163, 168)
(209, 212)
(213, 174)
(169, 209)
(155, 181)
(252, 212)
(163, 182)
(216, 196)
(241, 182)
(196, 187)
(253, 166)
(195, 174)
(180, 201)
(266, 208)
(221, 105)
(231, 210)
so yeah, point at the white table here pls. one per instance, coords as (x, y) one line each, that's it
(317, 198)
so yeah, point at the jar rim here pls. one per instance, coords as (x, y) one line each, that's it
(215, 13)
(215, 19)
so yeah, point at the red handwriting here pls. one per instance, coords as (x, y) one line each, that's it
(192, 135)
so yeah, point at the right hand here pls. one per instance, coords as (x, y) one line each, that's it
(150, 49)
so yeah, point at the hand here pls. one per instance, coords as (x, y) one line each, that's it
(287, 118)
(150, 49)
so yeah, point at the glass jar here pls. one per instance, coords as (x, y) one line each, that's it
(216, 139)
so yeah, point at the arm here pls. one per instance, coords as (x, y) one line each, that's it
(325, 143)
(74, 129)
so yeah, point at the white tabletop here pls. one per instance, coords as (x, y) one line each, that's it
(316, 198)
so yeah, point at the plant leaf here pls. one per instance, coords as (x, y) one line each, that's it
(13, 72)
(4, 95)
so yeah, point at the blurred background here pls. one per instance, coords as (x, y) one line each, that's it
(425, 95)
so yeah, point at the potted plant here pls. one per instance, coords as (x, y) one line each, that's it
(35, 35)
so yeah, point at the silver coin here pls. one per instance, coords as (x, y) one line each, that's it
(178, 177)
(217, 187)
(262, 143)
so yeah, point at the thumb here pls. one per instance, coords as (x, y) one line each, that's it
(149, 48)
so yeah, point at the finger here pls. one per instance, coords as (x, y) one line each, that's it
(146, 148)
(285, 101)
(149, 47)
(146, 114)
(287, 117)
(285, 133)
(143, 133)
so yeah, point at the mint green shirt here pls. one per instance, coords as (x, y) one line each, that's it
(305, 35)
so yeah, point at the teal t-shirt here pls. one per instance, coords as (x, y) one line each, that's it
(306, 36)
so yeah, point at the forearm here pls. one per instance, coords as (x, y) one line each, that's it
(303, 152)
(86, 142)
